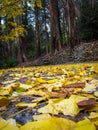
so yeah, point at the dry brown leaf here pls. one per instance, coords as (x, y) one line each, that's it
(56, 94)
(75, 85)
(87, 103)
(2, 108)
(4, 101)
(67, 91)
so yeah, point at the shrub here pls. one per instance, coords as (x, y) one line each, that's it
(8, 63)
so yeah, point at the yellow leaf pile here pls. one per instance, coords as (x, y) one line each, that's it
(66, 90)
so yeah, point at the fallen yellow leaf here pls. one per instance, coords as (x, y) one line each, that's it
(49, 124)
(65, 106)
(23, 105)
(85, 125)
(41, 117)
(5, 125)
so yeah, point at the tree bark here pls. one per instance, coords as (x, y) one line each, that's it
(56, 42)
(21, 52)
(37, 23)
(70, 16)
(46, 30)
(92, 3)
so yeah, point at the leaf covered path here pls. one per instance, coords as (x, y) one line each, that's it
(52, 95)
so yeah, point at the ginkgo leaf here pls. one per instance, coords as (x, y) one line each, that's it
(4, 92)
(4, 101)
(96, 94)
(65, 106)
(11, 121)
(25, 86)
(40, 80)
(18, 85)
(48, 109)
(82, 73)
(91, 87)
(10, 127)
(5, 125)
(39, 99)
(85, 125)
(93, 115)
(35, 92)
(49, 124)
(23, 105)
(96, 123)
(41, 117)
(52, 81)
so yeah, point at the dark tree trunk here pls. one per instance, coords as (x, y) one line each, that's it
(21, 51)
(56, 42)
(70, 16)
(37, 22)
(46, 32)
(21, 55)
(21, 47)
(0, 24)
(92, 3)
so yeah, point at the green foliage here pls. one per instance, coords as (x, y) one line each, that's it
(37, 3)
(10, 10)
(8, 63)
(12, 33)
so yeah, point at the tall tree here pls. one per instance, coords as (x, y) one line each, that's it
(56, 42)
(21, 51)
(45, 19)
(37, 23)
(69, 6)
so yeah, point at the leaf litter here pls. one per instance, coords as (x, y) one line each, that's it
(63, 97)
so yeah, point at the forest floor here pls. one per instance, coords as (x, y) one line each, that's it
(85, 52)
(56, 97)
(59, 97)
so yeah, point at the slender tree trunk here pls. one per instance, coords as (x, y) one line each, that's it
(92, 3)
(21, 55)
(21, 51)
(13, 49)
(56, 42)
(0, 29)
(46, 32)
(37, 22)
(0, 25)
(70, 16)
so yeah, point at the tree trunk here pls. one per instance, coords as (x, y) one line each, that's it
(21, 53)
(70, 16)
(56, 42)
(46, 32)
(37, 22)
(92, 3)
(0, 24)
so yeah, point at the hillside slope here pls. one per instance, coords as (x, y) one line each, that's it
(85, 52)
